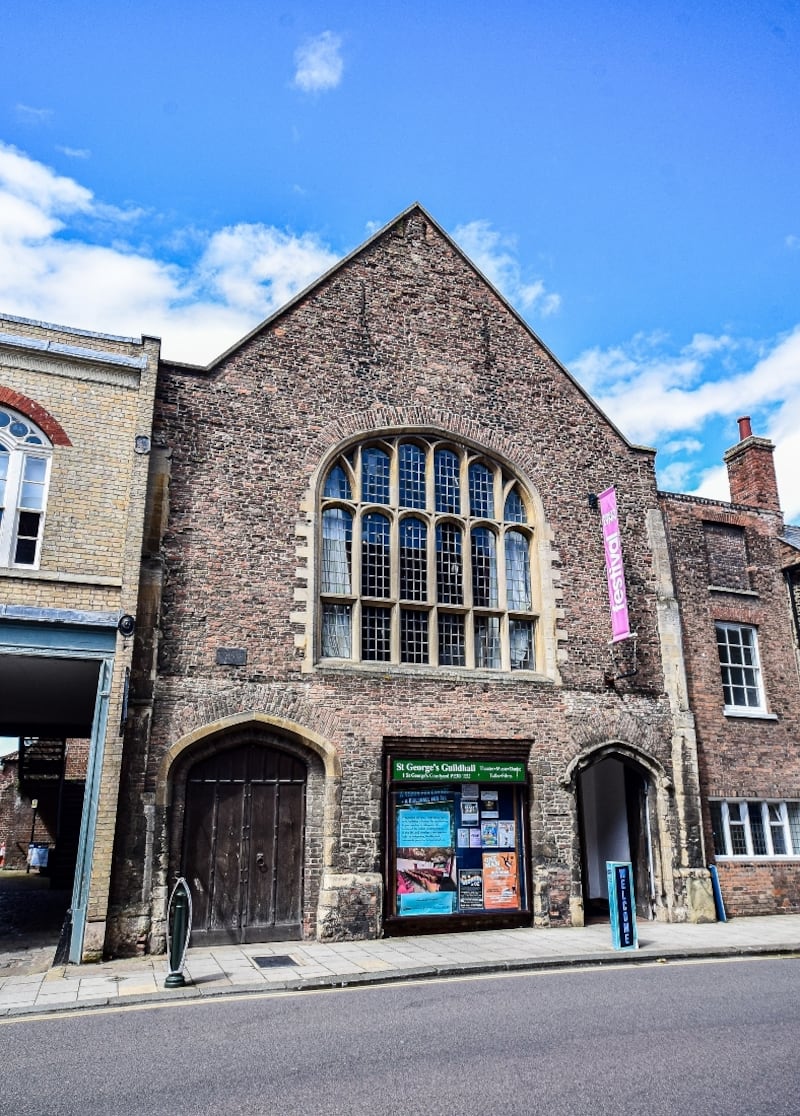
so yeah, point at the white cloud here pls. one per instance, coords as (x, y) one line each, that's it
(30, 115)
(319, 63)
(792, 242)
(653, 391)
(74, 152)
(52, 193)
(55, 266)
(239, 260)
(494, 255)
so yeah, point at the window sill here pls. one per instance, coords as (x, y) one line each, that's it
(730, 589)
(774, 859)
(413, 670)
(29, 573)
(750, 714)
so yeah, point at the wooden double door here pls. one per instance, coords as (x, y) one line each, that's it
(243, 845)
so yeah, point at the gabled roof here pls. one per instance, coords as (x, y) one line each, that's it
(337, 267)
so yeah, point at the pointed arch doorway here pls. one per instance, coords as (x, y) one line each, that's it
(616, 817)
(243, 844)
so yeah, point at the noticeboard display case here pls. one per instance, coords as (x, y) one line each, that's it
(456, 844)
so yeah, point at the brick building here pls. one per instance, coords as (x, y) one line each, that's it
(75, 425)
(374, 687)
(736, 574)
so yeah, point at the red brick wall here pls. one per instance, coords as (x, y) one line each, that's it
(740, 757)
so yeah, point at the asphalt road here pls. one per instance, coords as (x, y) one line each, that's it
(699, 1039)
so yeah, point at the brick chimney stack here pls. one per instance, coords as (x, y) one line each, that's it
(751, 470)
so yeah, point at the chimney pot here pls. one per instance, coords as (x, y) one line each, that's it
(745, 429)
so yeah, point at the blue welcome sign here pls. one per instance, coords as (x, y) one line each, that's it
(622, 905)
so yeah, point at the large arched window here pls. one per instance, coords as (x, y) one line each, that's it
(24, 475)
(426, 558)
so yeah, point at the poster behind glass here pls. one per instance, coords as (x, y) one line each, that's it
(457, 850)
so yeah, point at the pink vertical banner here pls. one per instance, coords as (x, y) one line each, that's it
(615, 570)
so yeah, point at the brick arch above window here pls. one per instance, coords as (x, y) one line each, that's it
(37, 414)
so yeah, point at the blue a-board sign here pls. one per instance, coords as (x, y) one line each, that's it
(622, 905)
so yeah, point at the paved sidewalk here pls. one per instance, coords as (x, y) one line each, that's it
(280, 966)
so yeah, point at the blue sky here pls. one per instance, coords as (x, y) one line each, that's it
(627, 174)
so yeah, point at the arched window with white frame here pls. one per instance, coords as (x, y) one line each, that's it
(25, 454)
(426, 558)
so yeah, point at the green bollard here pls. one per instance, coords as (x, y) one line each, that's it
(179, 927)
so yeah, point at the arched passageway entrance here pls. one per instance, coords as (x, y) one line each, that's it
(243, 844)
(616, 817)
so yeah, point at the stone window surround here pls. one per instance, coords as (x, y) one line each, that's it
(549, 636)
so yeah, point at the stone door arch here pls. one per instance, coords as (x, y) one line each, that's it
(618, 820)
(247, 836)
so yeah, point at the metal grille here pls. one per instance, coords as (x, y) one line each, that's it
(518, 572)
(446, 470)
(481, 491)
(413, 636)
(412, 477)
(374, 476)
(484, 568)
(413, 560)
(337, 543)
(451, 639)
(449, 584)
(515, 509)
(375, 634)
(520, 639)
(487, 642)
(337, 486)
(336, 631)
(375, 556)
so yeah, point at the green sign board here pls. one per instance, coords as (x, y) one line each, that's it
(456, 771)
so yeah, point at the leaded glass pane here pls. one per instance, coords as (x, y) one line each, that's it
(736, 827)
(413, 560)
(451, 640)
(446, 480)
(337, 486)
(515, 509)
(487, 642)
(520, 639)
(375, 556)
(484, 568)
(337, 534)
(449, 582)
(776, 829)
(717, 829)
(757, 835)
(336, 631)
(376, 634)
(793, 810)
(518, 572)
(413, 636)
(374, 476)
(412, 477)
(481, 491)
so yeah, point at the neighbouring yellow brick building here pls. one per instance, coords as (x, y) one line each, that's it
(75, 426)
